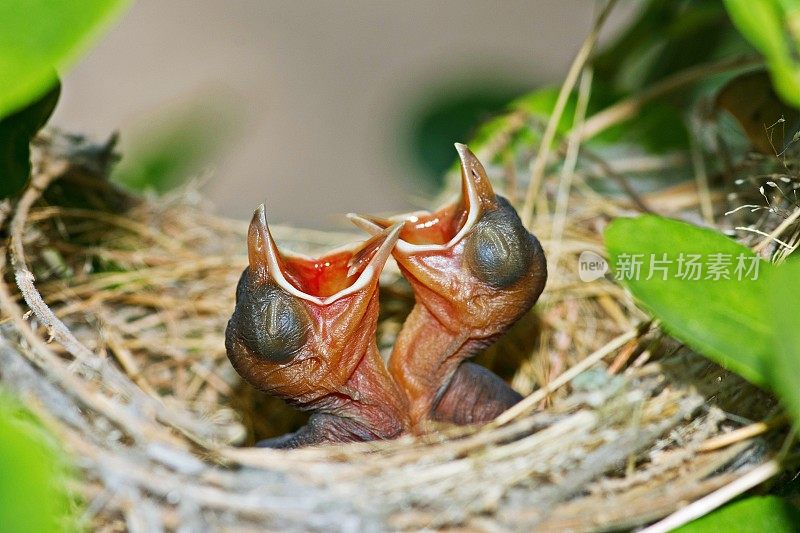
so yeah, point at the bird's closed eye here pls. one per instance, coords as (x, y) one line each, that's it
(499, 251)
(272, 324)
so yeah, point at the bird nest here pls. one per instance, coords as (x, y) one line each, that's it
(112, 330)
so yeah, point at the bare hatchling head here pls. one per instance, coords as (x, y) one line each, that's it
(471, 263)
(302, 325)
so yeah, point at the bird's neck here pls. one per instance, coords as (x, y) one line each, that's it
(370, 399)
(426, 354)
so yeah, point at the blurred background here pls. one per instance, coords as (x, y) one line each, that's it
(317, 108)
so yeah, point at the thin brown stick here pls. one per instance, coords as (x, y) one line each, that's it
(539, 164)
(744, 433)
(622, 359)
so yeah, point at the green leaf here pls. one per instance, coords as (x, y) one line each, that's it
(759, 21)
(39, 36)
(16, 132)
(783, 305)
(756, 514)
(721, 318)
(32, 496)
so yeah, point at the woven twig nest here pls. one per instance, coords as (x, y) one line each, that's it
(112, 331)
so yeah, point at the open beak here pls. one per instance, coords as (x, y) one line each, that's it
(431, 244)
(472, 249)
(442, 229)
(323, 280)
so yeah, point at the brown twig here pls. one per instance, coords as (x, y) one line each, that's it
(539, 164)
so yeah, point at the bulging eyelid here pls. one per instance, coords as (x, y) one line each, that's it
(272, 324)
(499, 251)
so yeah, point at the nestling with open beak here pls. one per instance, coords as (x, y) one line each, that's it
(304, 330)
(475, 271)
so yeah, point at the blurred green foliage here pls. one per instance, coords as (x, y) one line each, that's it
(36, 38)
(665, 37)
(32, 494)
(187, 137)
(658, 128)
(453, 116)
(39, 36)
(773, 27)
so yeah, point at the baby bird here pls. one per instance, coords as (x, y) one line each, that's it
(304, 330)
(475, 270)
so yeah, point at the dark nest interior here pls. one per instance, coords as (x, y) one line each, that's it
(112, 325)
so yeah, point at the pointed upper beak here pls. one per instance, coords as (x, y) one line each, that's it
(374, 253)
(477, 197)
(262, 253)
(475, 185)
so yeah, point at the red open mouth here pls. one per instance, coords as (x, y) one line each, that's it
(325, 279)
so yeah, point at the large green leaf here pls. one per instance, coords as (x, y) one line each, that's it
(757, 514)
(723, 319)
(783, 311)
(39, 36)
(16, 132)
